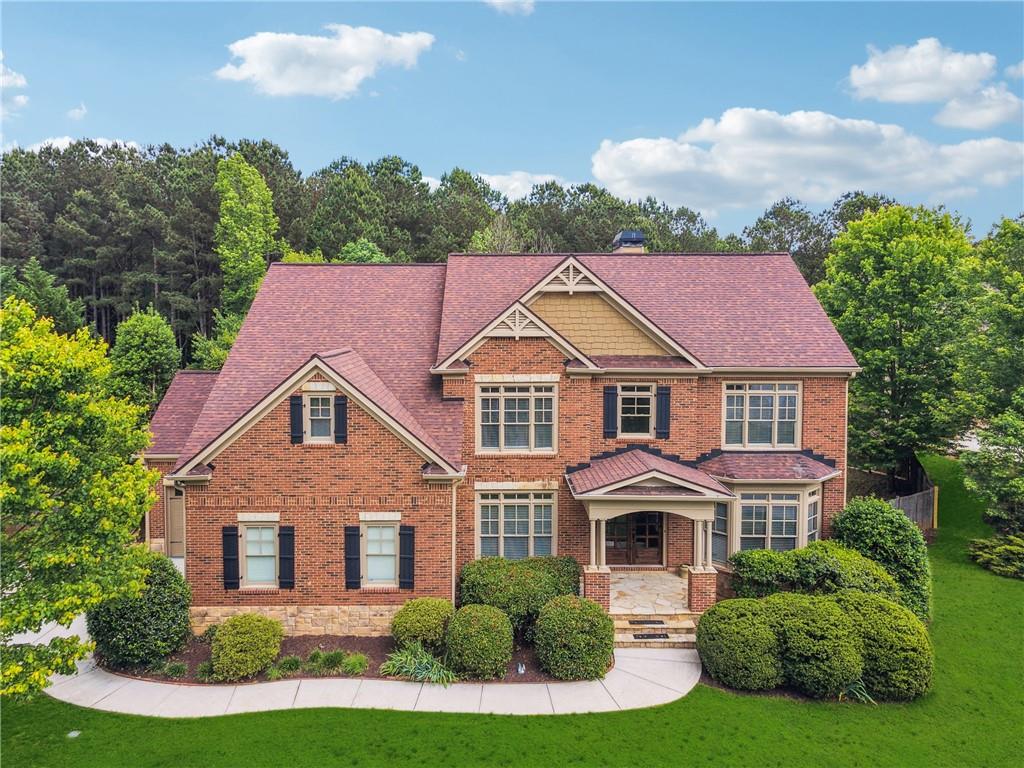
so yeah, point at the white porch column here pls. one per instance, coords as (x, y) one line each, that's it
(708, 528)
(593, 544)
(600, 541)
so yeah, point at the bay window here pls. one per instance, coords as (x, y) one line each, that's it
(762, 415)
(720, 534)
(769, 521)
(516, 524)
(516, 418)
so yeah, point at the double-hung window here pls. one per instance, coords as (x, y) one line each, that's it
(769, 520)
(761, 415)
(636, 410)
(260, 554)
(319, 427)
(516, 524)
(720, 533)
(812, 517)
(380, 555)
(517, 417)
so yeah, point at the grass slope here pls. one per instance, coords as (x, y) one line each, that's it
(972, 717)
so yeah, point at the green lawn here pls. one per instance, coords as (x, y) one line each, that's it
(973, 717)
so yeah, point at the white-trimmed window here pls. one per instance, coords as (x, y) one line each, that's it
(813, 505)
(516, 524)
(769, 521)
(636, 410)
(259, 555)
(380, 555)
(517, 417)
(762, 415)
(319, 419)
(720, 533)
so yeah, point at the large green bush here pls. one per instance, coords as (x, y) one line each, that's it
(894, 644)
(132, 631)
(825, 566)
(738, 645)
(565, 570)
(479, 641)
(761, 572)
(517, 588)
(423, 620)
(244, 646)
(887, 536)
(820, 652)
(574, 638)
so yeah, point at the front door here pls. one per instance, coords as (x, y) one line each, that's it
(634, 539)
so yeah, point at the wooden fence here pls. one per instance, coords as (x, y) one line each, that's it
(923, 506)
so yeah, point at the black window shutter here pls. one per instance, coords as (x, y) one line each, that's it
(663, 413)
(340, 419)
(406, 556)
(229, 537)
(352, 577)
(286, 557)
(611, 411)
(295, 404)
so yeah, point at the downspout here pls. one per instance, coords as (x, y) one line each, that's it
(455, 485)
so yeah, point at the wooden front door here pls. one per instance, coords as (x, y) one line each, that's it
(634, 539)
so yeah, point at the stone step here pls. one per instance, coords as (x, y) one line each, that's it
(623, 625)
(674, 640)
(665, 617)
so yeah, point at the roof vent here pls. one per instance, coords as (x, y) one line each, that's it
(629, 241)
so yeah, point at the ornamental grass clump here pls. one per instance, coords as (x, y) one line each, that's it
(416, 663)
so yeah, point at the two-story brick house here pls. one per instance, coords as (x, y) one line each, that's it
(375, 427)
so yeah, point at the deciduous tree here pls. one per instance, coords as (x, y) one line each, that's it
(145, 357)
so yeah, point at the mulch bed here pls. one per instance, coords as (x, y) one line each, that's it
(196, 651)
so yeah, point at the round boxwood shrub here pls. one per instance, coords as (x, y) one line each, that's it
(737, 643)
(244, 646)
(761, 572)
(479, 641)
(141, 630)
(574, 638)
(423, 620)
(819, 648)
(565, 570)
(894, 644)
(825, 567)
(514, 587)
(887, 536)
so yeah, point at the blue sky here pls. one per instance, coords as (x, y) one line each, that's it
(722, 107)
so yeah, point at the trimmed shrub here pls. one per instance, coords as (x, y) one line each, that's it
(565, 570)
(132, 631)
(514, 587)
(479, 641)
(423, 620)
(894, 644)
(737, 643)
(888, 537)
(1002, 554)
(574, 638)
(820, 652)
(761, 572)
(825, 566)
(244, 646)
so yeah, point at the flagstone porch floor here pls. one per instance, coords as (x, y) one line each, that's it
(647, 593)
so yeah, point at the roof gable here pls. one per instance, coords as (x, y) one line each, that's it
(179, 408)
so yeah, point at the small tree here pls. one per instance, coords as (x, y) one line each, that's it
(361, 251)
(72, 490)
(996, 469)
(895, 289)
(37, 286)
(210, 352)
(145, 357)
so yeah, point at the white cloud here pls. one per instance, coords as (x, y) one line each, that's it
(282, 64)
(11, 103)
(988, 107)
(925, 71)
(63, 142)
(750, 157)
(79, 112)
(512, 7)
(518, 184)
(1016, 71)
(432, 182)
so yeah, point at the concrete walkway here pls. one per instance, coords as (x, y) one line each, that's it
(642, 677)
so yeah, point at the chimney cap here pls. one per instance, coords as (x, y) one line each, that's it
(629, 239)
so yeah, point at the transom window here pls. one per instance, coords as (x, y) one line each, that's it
(516, 525)
(318, 418)
(636, 409)
(761, 415)
(260, 553)
(381, 554)
(517, 418)
(768, 520)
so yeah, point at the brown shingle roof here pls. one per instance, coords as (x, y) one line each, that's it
(628, 464)
(766, 466)
(176, 415)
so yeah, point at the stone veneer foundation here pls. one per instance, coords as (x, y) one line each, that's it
(357, 620)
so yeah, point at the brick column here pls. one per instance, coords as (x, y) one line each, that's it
(597, 580)
(701, 587)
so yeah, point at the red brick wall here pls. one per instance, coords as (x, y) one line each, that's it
(319, 489)
(157, 519)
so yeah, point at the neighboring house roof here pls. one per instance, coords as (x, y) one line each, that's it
(635, 462)
(761, 465)
(178, 410)
(728, 310)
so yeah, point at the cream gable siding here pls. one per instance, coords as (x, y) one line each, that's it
(589, 322)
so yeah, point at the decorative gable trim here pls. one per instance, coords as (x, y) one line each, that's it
(516, 322)
(644, 480)
(571, 276)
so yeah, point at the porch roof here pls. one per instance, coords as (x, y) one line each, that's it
(633, 463)
(785, 465)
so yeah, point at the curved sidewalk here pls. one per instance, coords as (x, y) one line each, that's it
(642, 677)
